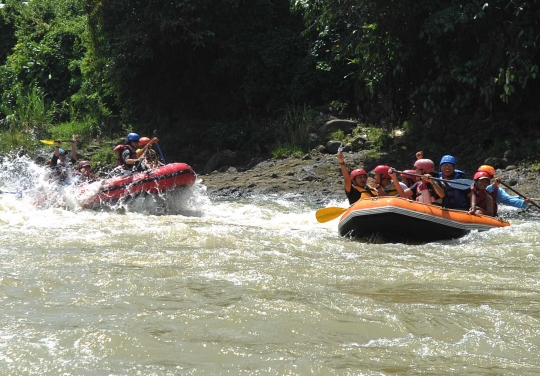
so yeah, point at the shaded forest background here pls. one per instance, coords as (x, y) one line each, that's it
(253, 75)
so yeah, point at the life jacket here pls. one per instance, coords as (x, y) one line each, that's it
(391, 190)
(455, 198)
(458, 174)
(119, 149)
(494, 195)
(356, 193)
(79, 177)
(480, 197)
(424, 192)
(366, 193)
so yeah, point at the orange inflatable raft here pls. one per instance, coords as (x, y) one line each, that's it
(400, 219)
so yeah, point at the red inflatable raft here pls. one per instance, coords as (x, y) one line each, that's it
(161, 179)
(399, 219)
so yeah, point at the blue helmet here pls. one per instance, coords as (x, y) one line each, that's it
(133, 137)
(448, 159)
(61, 152)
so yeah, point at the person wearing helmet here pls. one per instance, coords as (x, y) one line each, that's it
(383, 181)
(127, 153)
(426, 190)
(84, 174)
(408, 178)
(143, 141)
(499, 195)
(59, 161)
(454, 198)
(151, 159)
(356, 186)
(481, 200)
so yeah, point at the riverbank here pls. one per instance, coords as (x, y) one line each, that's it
(317, 178)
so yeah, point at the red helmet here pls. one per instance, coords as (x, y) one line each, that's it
(383, 170)
(143, 141)
(487, 168)
(84, 164)
(425, 164)
(357, 172)
(481, 175)
(409, 174)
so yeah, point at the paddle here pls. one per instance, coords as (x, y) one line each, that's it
(517, 193)
(52, 142)
(327, 214)
(160, 153)
(138, 164)
(461, 184)
(13, 193)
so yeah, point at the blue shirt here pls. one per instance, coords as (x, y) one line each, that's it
(505, 198)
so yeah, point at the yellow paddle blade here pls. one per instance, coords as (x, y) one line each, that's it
(327, 214)
(48, 142)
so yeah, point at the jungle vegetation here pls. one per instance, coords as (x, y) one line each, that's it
(251, 75)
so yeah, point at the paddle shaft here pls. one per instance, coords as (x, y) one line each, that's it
(160, 153)
(13, 193)
(517, 193)
(439, 179)
(51, 142)
(138, 164)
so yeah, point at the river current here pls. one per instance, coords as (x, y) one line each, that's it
(186, 285)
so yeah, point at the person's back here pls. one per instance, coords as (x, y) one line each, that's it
(148, 154)
(427, 190)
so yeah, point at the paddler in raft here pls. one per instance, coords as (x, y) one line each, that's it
(481, 200)
(384, 184)
(59, 162)
(84, 174)
(356, 183)
(127, 153)
(426, 190)
(454, 198)
(499, 195)
(151, 159)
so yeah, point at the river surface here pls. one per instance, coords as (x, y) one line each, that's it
(256, 287)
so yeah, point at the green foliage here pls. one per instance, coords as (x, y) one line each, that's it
(64, 131)
(296, 124)
(48, 49)
(286, 150)
(14, 139)
(338, 135)
(103, 159)
(28, 114)
(216, 60)
(410, 58)
(7, 28)
(245, 75)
